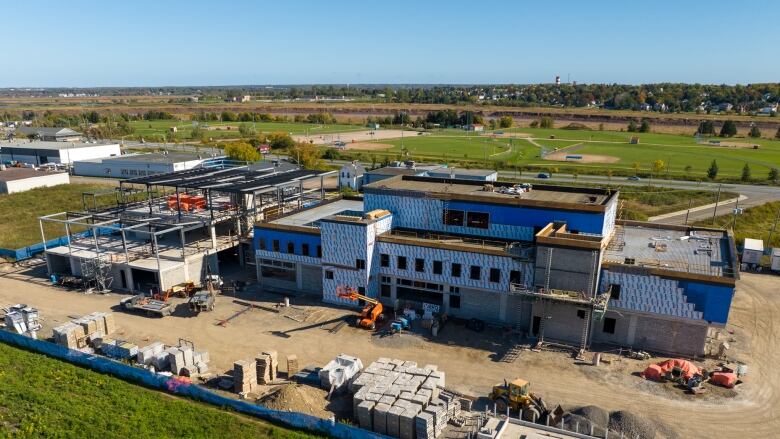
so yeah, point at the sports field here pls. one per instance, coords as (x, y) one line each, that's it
(226, 130)
(591, 151)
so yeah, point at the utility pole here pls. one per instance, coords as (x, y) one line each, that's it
(717, 200)
(688, 212)
(736, 212)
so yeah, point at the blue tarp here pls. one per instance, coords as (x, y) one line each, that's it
(173, 385)
(32, 250)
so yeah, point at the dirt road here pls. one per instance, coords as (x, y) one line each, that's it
(469, 359)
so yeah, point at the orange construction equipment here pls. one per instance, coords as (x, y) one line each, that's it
(725, 379)
(370, 314)
(686, 369)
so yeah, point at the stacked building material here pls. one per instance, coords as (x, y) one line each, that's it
(409, 391)
(364, 414)
(267, 367)
(119, 349)
(292, 365)
(146, 354)
(201, 361)
(69, 335)
(244, 376)
(338, 373)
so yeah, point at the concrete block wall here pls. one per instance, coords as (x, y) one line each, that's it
(571, 269)
(660, 334)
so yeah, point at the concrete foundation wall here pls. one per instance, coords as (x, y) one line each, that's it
(641, 331)
(484, 305)
(562, 323)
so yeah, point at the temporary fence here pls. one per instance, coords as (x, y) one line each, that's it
(176, 386)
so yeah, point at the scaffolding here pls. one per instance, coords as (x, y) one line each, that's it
(96, 274)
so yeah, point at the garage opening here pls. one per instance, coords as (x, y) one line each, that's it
(145, 281)
(60, 265)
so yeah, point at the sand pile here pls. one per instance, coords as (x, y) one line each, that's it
(298, 398)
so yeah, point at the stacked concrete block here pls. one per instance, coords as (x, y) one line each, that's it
(89, 325)
(175, 359)
(267, 367)
(273, 356)
(424, 426)
(118, 349)
(161, 361)
(380, 417)
(68, 335)
(364, 414)
(393, 421)
(292, 365)
(440, 417)
(244, 376)
(147, 353)
(200, 360)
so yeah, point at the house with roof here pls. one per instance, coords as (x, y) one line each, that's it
(351, 175)
(50, 134)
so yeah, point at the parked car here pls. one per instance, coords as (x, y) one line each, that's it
(542, 175)
(634, 178)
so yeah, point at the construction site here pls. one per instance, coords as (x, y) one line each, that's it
(548, 314)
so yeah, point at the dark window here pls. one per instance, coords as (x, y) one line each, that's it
(401, 262)
(419, 265)
(453, 217)
(278, 273)
(276, 245)
(475, 272)
(319, 251)
(436, 267)
(609, 325)
(328, 274)
(479, 220)
(362, 291)
(261, 243)
(305, 249)
(290, 247)
(455, 270)
(384, 260)
(455, 290)
(454, 301)
(385, 290)
(495, 275)
(581, 313)
(515, 277)
(360, 264)
(614, 292)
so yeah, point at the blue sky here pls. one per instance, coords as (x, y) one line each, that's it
(154, 43)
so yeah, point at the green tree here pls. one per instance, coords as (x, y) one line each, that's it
(247, 130)
(196, 133)
(609, 174)
(228, 116)
(307, 155)
(707, 128)
(632, 127)
(777, 134)
(506, 122)
(712, 172)
(773, 174)
(728, 129)
(546, 122)
(746, 172)
(754, 131)
(635, 165)
(645, 127)
(242, 151)
(657, 166)
(279, 140)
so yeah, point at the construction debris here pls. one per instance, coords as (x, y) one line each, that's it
(398, 399)
(23, 320)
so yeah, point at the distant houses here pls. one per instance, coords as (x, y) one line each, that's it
(477, 127)
(49, 134)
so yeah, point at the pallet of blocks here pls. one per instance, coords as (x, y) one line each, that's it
(119, 349)
(146, 354)
(70, 335)
(339, 372)
(413, 394)
(267, 367)
(244, 376)
(292, 365)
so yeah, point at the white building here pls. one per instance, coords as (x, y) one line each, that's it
(14, 180)
(351, 175)
(136, 165)
(754, 249)
(39, 152)
(49, 134)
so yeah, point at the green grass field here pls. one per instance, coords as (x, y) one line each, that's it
(683, 156)
(44, 397)
(755, 222)
(19, 212)
(155, 128)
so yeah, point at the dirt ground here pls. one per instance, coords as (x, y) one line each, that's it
(354, 136)
(368, 146)
(744, 145)
(560, 154)
(470, 360)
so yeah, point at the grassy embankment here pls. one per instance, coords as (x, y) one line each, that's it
(44, 397)
(754, 222)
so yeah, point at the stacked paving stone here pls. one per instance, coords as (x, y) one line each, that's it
(292, 365)
(244, 376)
(93, 326)
(267, 367)
(398, 399)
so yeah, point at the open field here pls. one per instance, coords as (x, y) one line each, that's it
(682, 155)
(557, 377)
(755, 222)
(44, 397)
(158, 128)
(19, 212)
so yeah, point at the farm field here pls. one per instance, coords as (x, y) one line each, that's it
(19, 212)
(682, 155)
(158, 128)
(44, 397)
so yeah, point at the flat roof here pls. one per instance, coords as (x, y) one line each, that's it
(688, 250)
(502, 192)
(754, 244)
(461, 171)
(152, 157)
(310, 217)
(392, 170)
(12, 174)
(50, 145)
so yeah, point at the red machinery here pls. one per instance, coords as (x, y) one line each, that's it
(370, 314)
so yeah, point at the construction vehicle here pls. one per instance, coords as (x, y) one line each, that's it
(183, 290)
(517, 397)
(148, 304)
(372, 311)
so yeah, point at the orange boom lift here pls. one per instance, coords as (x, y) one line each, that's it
(370, 314)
